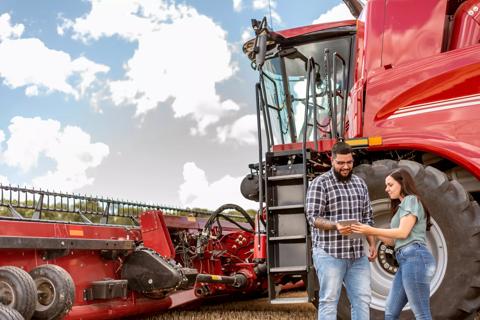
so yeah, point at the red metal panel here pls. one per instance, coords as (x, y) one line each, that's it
(373, 16)
(155, 233)
(431, 104)
(290, 33)
(412, 30)
(67, 230)
(466, 27)
(119, 308)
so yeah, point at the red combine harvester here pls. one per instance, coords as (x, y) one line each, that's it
(401, 84)
(78, 257)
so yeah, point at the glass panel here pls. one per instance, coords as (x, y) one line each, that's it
(294, 82)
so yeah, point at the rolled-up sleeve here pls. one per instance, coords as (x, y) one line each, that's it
(315, 202)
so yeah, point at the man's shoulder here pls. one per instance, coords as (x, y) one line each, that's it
(323, 177)
(358, 180)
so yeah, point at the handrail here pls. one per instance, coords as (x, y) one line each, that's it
(336, 56)
(332, 106)
(277, 101)
(266, 112)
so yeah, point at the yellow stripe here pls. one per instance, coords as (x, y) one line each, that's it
(357, 142)
(191, 219)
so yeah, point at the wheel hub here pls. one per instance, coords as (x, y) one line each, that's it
(386, 258)
(7, 296)
(45, 293)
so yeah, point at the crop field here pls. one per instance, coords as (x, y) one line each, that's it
(255, 309)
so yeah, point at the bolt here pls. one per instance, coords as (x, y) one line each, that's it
(475, 8)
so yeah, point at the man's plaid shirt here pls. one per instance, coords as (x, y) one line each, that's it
(329, 198)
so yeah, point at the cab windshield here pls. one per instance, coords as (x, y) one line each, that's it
(285, 91)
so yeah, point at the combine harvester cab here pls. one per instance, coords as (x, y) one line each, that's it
(401, 84)
(74, 257)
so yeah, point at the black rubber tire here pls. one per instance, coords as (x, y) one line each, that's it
(56, 292)
(458, 219)
(7, 313)
(23, 290)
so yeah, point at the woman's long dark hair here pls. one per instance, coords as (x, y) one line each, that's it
(407, 187)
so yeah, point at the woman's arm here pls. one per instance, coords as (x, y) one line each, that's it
(406, 224)
(387, 241)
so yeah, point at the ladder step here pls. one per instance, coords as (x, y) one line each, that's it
(289, 300)
(292, 269)
(288, 238)
(286, 177)
(288, 207)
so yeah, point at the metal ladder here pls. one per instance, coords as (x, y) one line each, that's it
(288, 236)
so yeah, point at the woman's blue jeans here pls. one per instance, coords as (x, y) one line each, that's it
(332, 272)
(412, 282)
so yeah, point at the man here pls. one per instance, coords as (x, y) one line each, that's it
(338, 256)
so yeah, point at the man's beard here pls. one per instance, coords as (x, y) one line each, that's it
(342, 178)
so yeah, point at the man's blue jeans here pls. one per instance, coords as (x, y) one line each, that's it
(412, 282)
(332, 272)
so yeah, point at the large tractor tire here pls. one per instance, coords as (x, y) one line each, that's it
(17, 290)
(55, 292)
(454, 241)
(7, 313)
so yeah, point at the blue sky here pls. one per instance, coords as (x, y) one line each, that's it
(145, 100)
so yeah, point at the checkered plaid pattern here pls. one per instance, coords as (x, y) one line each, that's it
(335, 200)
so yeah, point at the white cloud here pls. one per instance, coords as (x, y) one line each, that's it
(337, 13)
(29, 63)
(243, 130)
(2, 138)
(269, 6)
(237, 5)
(247, 34)
(262, 4)
(4, 180)
(171, 63)
(70, 148)
(197, 192)
(7, 30)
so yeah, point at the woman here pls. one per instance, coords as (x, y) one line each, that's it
(408, 226)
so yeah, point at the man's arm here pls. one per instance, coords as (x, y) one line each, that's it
(324, 224)
(315, 202)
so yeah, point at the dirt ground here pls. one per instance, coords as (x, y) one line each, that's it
(258, 309)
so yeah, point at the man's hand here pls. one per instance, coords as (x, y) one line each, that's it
(344, 230)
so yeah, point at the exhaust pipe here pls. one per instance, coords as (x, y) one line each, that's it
(355, 7)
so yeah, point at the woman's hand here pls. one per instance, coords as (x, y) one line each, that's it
(362, 228)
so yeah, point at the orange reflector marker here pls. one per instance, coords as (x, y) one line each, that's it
(191, 219)
(76, 232)
(375, 141)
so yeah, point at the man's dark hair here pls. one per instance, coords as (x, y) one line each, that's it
(341, 148)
